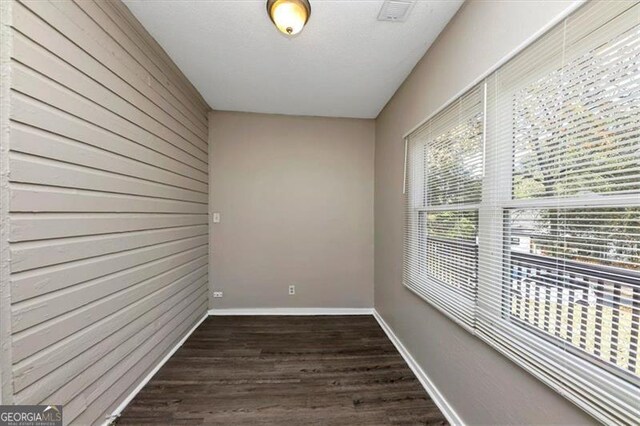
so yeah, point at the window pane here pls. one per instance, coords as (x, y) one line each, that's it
(453, 170)
(444, 173)
(450, 250)
(559, 267)
(575, 276)
(576, 129)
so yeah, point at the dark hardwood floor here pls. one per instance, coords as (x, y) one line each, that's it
(285, 370)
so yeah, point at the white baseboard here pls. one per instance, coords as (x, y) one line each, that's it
(116, 413)
(292, 311)
(427, 384)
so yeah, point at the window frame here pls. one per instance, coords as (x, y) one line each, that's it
(430, 288)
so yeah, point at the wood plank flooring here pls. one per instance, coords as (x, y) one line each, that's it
(285, 370)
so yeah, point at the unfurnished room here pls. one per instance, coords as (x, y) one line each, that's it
(319, 212)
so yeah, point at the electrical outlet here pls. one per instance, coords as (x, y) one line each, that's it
(217, 294)
(292, 290)
(216, 217)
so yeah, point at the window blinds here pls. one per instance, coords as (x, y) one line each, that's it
(444, 181)
(527, 229)
(560, 265)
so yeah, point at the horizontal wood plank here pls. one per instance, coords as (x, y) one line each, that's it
(39, 226)
(29, 140)
(39, 115)
(32, 283)
(110, 75)
(42, 309)
(37, 198)
(83, 370)
(89, 342)
(50, 332)
(40, 171)
(42, 253)
(120, 382)
(34, 85)
(66, 18)
(39, 59)
(108, 216)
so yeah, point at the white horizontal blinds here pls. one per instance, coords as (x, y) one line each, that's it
(572, 126)
(559, 225)
(444, 182)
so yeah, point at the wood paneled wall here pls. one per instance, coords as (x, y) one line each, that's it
(105, 144)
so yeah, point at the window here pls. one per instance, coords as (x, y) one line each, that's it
(542, 260)
(444, 175)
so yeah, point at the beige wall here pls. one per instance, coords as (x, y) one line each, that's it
(481, 385)
(296, 201)
(106, 145)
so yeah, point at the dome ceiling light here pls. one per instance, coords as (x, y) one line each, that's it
(289, 16)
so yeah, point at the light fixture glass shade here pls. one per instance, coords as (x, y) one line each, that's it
(289, 16)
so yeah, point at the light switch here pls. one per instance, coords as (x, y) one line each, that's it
(216, 218)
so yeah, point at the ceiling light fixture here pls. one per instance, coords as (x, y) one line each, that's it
(289, 16)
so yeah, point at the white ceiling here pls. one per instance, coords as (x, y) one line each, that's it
(345, 63)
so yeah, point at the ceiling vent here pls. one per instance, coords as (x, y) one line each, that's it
(395, 10)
